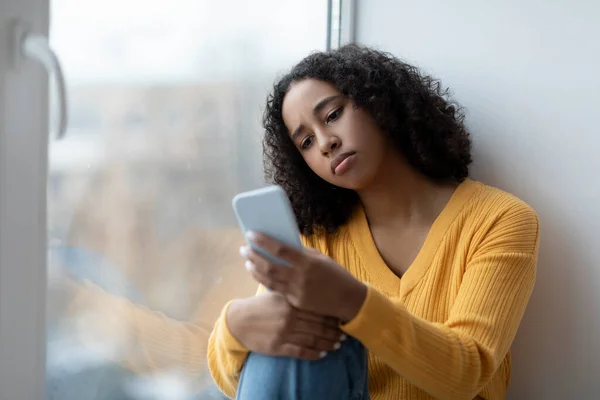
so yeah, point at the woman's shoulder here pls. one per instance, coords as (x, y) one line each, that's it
(495, 202)
(493, 214)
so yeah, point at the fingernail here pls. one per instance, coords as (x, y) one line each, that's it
(251, 235)
(244, 251)
(337, 346)
(323, 354)
(344, 337)
(249, 265)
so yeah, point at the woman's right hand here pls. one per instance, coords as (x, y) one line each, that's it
(268, 324)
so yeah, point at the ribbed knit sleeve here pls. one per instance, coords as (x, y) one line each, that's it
(457, 358)
(226, 356)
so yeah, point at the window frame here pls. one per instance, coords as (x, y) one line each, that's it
(341, 23)
(23, 170)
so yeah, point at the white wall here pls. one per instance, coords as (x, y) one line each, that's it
(528, 73)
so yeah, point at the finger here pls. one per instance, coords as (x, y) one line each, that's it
(311, 251)
(265, 267)
(313, 342)
(308, 316)
(317, 329)
(266, 280)
(272, 276)
(303, 353)
(277, 248)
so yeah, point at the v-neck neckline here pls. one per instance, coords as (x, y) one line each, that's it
(364, 243)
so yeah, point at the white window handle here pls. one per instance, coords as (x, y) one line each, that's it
(37, 47)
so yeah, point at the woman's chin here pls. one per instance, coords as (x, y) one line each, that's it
(351, 183)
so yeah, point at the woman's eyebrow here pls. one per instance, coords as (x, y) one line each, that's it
(321, 104)
(296, 132)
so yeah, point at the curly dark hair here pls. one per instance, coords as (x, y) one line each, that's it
(412, 109)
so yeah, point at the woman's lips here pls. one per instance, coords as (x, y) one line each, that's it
(342, 163)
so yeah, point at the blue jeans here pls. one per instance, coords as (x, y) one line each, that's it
(342, 375)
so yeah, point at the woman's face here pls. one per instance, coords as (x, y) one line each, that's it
(339, 142)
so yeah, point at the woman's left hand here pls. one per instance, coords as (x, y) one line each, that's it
(314, 283)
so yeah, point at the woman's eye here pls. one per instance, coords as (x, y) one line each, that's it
(306, 143)
(334, 115)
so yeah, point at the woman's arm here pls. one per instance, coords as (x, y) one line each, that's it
(455, 359)
(226, 355)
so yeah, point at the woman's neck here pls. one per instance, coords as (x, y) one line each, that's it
(401, 195)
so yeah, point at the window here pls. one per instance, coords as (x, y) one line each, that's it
(179, 90)
(139, 241)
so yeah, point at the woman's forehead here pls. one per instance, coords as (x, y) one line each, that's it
(310, 89)
(303, 96)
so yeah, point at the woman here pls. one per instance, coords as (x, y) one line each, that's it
(423, 269)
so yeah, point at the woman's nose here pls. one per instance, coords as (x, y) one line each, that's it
(328, 144)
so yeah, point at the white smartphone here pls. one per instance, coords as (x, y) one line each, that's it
(268, 211)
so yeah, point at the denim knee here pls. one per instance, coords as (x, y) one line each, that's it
(342, 374)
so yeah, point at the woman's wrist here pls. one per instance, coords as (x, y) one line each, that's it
(234, 318)
(352, 301)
